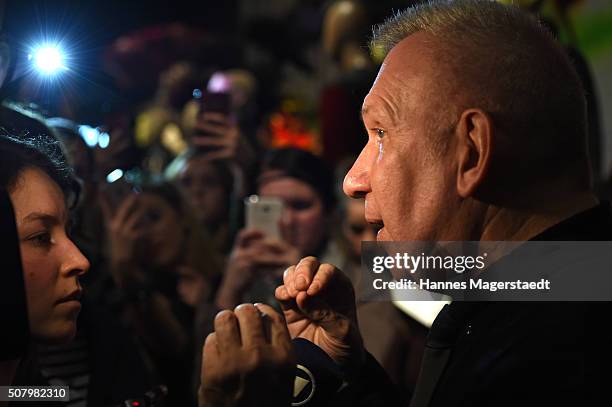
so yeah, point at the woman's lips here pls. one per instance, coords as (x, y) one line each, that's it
(74, 296)
(72, 304)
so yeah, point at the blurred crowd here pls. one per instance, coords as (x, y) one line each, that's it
(161, 213)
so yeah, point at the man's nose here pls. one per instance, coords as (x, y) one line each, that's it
(357, 180)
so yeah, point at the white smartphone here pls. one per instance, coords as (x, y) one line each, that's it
(264, 214)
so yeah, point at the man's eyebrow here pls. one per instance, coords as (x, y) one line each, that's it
(375, 120)
(364, 111)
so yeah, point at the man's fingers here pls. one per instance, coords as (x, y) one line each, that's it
(210, 350)
(279, 335)
(281, 293)
(228, 332)
(288, 305)
(211, 358)
(288, 277)
(251, 326)
(304, 273)
(325, 274)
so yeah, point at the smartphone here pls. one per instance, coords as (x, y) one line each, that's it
(215, 102)
(264, 214)
(212, 102)
(13, 304)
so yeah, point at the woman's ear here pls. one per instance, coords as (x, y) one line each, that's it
(474, 148)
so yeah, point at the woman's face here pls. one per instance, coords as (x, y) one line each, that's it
(355, 227)
(51, 262)
(164, 237)
(304, 221)
(202, 186)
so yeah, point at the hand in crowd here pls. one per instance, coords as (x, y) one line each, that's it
(318, 301)
(254, 256)
(126, 233)
(221, 135)
(248, 360)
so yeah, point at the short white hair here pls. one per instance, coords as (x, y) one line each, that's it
(502, 60)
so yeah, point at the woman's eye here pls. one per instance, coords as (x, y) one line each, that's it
(41, 239)
(380, 133)
(300, 205)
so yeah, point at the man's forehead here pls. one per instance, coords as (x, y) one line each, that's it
(408, 66)
(413, 54)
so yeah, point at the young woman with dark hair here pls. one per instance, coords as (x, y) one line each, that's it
(41, 188)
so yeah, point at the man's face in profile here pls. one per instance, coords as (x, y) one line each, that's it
(409, 189)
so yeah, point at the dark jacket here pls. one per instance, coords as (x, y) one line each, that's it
(511, 353)
(518, 354)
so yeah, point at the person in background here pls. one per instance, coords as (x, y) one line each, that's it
(395, 339)
(122, 152)
(161, 266)
(158, 128)
(350, 71)
(305, 186)
(208, 187)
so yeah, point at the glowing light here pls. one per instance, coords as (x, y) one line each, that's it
(219, 83)
(48, 59)
(90, 135)
(114, 175)
(103, 140)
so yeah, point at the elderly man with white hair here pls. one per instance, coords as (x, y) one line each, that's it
(476, 130)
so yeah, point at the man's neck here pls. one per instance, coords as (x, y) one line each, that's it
(507, 224)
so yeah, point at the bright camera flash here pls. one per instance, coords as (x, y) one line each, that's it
(48, 59)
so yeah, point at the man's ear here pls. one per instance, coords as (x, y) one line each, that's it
(474, 150)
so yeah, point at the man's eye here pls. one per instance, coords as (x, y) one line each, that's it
(380, 133)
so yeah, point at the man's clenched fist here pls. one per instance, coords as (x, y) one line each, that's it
(318, 301)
